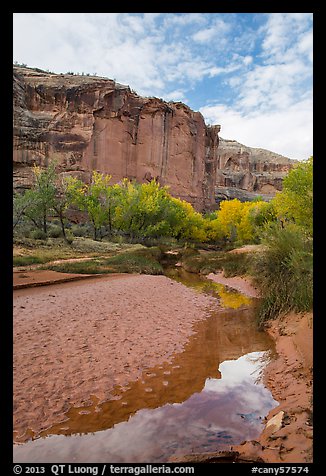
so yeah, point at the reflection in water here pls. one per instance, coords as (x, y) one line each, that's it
(207, 398)
(228, 297)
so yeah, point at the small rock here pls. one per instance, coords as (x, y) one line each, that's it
(275, 423)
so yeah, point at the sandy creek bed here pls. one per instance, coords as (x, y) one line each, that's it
(80, 339)
(76, 343)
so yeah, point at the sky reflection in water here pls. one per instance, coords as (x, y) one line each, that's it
(227, 411)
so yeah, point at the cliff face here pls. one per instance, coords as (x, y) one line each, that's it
(244, 172)
(89, 123)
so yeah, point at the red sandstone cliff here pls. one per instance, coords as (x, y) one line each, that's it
(89, 123)
(243, 172)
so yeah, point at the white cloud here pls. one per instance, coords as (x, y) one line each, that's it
(305, 45)
(282, 33)
(247, 60)
(286, 131)
(264, 71)
(204, 35)
(266, 85)
(176, 95)
(273, 104)
(218, 29)
(131, 48)
(182, 19)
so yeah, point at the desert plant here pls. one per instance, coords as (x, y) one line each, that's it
(284, 271)
(38, 234)
(54, 231)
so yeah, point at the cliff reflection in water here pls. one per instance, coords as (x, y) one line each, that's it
(205, 399)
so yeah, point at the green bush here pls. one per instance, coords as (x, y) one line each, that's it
(203, 263)
(135, 262)
(54, 231)
(91, 266)
(284, 272)
(80, 230)
(88, 245)
(38, 235)
(144, 261)
(236, 264)
(69, 237)
(23, 230)
(26, 260)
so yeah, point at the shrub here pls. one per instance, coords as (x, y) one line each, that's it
(143, 261)
(26, 260)
(91, 266)
(88, 245)
(80, 230)
(69, 237)
(135, 263)
(236, 264)
(38, 235)
(284, 272)
(54, 231)
(23, 229)
(203, 263)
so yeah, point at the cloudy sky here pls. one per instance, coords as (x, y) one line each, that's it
(249, 72)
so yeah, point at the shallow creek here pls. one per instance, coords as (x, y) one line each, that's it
(209, 397)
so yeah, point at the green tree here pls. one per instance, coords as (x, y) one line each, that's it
(262, 214)
(295, 202)
(61, 203)
(185, 223)
(91, 198)
(40, 198)
(20, 204)
(143, 209)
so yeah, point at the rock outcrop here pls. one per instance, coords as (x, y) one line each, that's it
(89, 123)
(245, 172)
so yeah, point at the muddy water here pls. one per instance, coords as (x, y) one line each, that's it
(209, 397)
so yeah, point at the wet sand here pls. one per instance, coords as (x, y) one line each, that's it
(74, 342)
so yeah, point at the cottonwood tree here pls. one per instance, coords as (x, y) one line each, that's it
(295, 202)
(40, 198)
(93, 198)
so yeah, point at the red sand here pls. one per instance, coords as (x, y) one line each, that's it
(31, 278)
(79, 339)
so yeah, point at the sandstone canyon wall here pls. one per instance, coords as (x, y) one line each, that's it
(245, 172)
(88, 123)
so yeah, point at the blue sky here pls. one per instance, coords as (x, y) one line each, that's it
(249, 72)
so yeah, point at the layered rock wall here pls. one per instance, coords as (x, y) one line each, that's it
(245, 172)
(89, 123)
